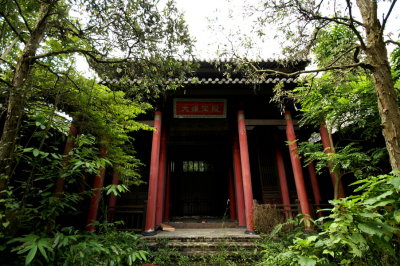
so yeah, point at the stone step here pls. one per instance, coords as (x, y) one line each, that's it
(202, 239)
(199, 225)
(207, 244)
(207, 247)
(199, 253)
(185, 246)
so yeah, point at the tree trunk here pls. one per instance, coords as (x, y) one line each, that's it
(387, 99)
(16, 101)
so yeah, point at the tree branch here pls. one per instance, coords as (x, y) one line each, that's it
(22, 15)
(58, 74)
(6, 82)
(8, 63)
(344, 53)
(80, 51)
(393, 42)
(353, 28)
(12, 27)
(387, 15)
(296, 73)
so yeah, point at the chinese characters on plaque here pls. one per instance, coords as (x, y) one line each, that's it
(199, 108)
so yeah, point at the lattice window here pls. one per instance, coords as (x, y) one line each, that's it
(196, 167)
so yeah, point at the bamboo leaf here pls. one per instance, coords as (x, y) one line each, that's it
(31, 255)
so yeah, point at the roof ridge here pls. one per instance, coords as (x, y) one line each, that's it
(210, 80)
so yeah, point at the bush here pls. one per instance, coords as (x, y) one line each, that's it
(361, 230)
(266, 217)
(73, 248)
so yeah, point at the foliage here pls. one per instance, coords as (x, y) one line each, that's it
(74, 248)
(42, 93)
(345, 101)
(31, 204)
(396, 65)
(31, 212)
(39, 41)
(361, 229)
(350, 159)
(345, 39)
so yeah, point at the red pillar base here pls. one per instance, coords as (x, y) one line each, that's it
(149, 233)
(250, 232)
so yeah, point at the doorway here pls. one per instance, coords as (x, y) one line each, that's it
(199, 179)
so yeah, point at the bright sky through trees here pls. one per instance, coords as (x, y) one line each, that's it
(232, 25)
(219, 25)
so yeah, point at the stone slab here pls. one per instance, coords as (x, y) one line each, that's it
(218, 233)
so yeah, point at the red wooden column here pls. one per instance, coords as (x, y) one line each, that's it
(282, 178)
(232, 202)
(153, 179)
(314, 184)
(237, 169)
(245, 163)
(167, 194)
(112, 199)
(296, 165)
(69, 145)
(161, 178)
(97, 191)
(328, 148)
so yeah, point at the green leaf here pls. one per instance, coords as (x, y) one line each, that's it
(35, 152)
(142, 254)
(43, 252)
(370, 215)
(358, 238)
(383, 203)
(396, 216)
(55, 156)
(306, 261)
(6, 224)
(330, 252)
(31, 255)
(27, 149)
(395, 182)
(369, 229)
(374, 200)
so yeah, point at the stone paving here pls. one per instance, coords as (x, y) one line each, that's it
(203, 233)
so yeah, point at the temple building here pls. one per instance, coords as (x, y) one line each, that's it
(219, 143)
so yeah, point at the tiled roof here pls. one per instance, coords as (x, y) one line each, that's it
(211, 81)
(211, 71)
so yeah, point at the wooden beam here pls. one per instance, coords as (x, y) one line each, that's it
(268, 122)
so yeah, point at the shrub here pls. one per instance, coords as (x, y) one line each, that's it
(361, 230)
(73, 248)
(266, 217)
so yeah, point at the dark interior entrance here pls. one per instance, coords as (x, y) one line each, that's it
(199, 177)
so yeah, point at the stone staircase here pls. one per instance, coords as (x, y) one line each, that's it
(205, 244)
(206, 224)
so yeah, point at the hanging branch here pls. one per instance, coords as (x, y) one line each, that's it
(387, 16)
